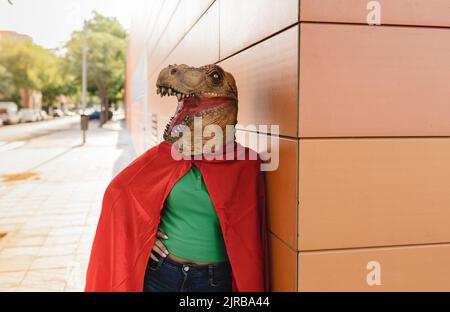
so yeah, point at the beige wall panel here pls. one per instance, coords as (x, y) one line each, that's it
(135, 50)
(283, 266)
(243, 23)
(200, 46)
(156, 25)
(185, 16)
(136, 130)
(143, 13)
(267, 80)
(173, 33)
(415, 268)
(373, 192)
(403, 12)
(193, 10)
(374, 81)
(164, 108)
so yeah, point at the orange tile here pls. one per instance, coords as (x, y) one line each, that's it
(419, 268)
(373, 81)
(373, 192)
(281, 187)
(243, 23)
(400, 12)
(267, 80)
(283, 266)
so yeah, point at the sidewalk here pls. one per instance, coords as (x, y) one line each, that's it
(50, 199)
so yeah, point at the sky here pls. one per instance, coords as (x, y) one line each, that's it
(50, 22)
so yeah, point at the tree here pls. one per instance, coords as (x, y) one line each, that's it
(52, 81)
(19, 58)
(106, 41)
(7, 89)
(25, 65)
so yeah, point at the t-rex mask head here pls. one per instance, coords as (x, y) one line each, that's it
(208, 92)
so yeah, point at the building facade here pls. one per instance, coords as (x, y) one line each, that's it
(10, 34)
(359, 200)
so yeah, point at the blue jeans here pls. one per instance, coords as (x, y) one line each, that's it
(167, 275)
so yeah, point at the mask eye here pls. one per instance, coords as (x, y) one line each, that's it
(216, 77)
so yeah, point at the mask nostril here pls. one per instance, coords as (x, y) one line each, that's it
(173, 71)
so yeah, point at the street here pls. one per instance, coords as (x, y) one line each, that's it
(23, 131)
(51, 187)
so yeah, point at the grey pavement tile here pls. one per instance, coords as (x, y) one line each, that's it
(58, 250)
(23, 232)
(68, 222)
(10, 280)
(13, 220)
(20, 251)
(13, 213)
(9, 228)
(72, 230)
(15, 263)
(27, 241)
(51, 279)
(63, 240)
(29, 289)
(74, 288)
(52, 262)
(40, 288)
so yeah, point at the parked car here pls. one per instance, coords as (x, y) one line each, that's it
(58, 113)
(28, 115)
(68, 113)
(44, 115)
(8, 113)
(95, 115)
(37, 114)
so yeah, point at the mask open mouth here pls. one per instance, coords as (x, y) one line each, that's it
(189, 106)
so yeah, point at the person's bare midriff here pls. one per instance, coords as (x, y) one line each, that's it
(184, 260)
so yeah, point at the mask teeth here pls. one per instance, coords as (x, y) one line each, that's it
(169, 91)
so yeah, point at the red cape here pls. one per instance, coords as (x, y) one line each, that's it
(131, 209)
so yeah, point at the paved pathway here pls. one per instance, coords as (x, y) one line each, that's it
(51, 187)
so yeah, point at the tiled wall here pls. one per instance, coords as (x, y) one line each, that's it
(363, 113)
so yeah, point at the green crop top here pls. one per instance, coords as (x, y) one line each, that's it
(190, 221)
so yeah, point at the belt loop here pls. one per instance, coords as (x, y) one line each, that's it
(160, 261)
(211, 274)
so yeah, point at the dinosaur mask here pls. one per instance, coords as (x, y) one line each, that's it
(208, 92)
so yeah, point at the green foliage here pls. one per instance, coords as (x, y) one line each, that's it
(24, 65)
(7, 88)
(19, 59)
(106, 41)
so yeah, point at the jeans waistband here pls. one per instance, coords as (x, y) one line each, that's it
(224, 265)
